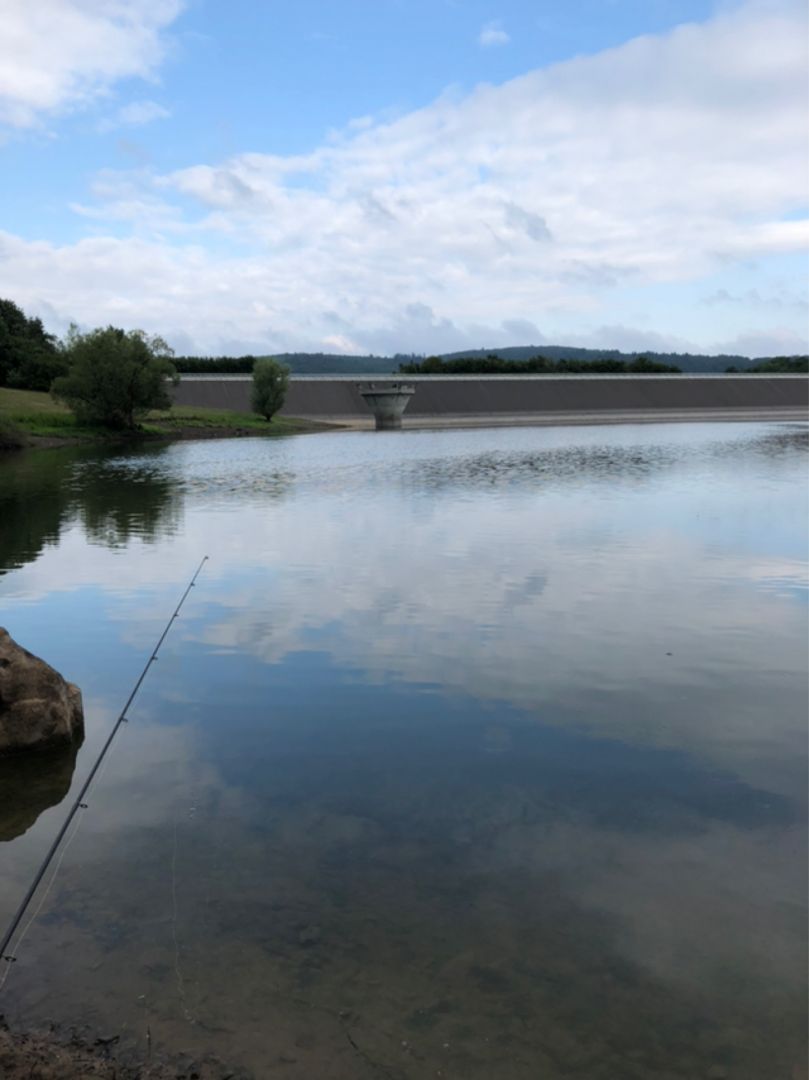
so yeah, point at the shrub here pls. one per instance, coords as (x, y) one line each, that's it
(270, 382)
(114, 377)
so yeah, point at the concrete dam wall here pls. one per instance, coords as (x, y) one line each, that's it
(520, 398)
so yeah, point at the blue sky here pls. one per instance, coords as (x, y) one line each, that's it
(409, 175)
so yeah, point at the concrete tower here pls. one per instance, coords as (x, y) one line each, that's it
(387, 402)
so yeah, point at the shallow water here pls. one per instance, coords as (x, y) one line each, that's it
(474, 754)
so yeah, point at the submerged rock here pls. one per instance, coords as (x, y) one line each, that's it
(39, 710)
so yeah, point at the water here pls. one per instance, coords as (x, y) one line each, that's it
(474, 754)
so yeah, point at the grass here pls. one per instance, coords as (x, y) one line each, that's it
(183, 417)
(38, 416)
(11, 435)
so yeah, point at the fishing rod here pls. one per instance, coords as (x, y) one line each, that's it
(79, 803)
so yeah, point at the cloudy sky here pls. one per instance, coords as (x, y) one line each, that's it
(409, 175)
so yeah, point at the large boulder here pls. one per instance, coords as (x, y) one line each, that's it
(38, 709)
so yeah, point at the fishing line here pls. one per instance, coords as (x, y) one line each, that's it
(46, 891)
(79, 803)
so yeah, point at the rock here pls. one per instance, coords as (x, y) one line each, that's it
(38, 709)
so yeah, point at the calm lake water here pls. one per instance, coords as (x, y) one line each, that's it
(474, 754)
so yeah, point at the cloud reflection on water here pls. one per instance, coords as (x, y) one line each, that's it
(516, 718)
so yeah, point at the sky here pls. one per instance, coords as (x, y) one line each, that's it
(397, 176)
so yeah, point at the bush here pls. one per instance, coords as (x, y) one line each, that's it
(270, 382)
(114, 377)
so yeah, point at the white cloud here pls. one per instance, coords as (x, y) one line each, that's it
(764, 341)
(777, 341)
(540, 586)
(630, 338)
(659, 163)
(135, 114)
(59, 54)
(493, 34)
(753, 298)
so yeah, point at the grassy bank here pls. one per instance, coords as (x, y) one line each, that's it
(36, 419)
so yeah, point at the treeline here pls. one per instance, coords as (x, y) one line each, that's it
(536, 365)
(214, 365)
(698, 363)
(783, 365)
(299, 363)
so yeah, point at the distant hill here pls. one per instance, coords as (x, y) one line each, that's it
(335, 364)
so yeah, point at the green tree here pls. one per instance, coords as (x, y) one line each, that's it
(795, 365)
(29, 358)
(270, 382)
(114, 377)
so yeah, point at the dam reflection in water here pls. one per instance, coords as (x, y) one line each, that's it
(474, 754)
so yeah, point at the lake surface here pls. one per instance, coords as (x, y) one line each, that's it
(473, 754)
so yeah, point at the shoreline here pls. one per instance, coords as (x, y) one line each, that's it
(32, 419)
(607, 417)
(309, 425)
(57, 1055)
(580, 419)
(30, 440)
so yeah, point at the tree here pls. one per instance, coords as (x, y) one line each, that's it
(795, 365)
(29, 358)
(270, 382)
(114, 377)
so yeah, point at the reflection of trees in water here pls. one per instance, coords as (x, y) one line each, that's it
(115, 505)
(781, 441)
(32, 505)
(582, 462)
(30, 784)
(116, 497)
(40, 491)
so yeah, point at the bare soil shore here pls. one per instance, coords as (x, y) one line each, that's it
(58, 1055)
(564, 419)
